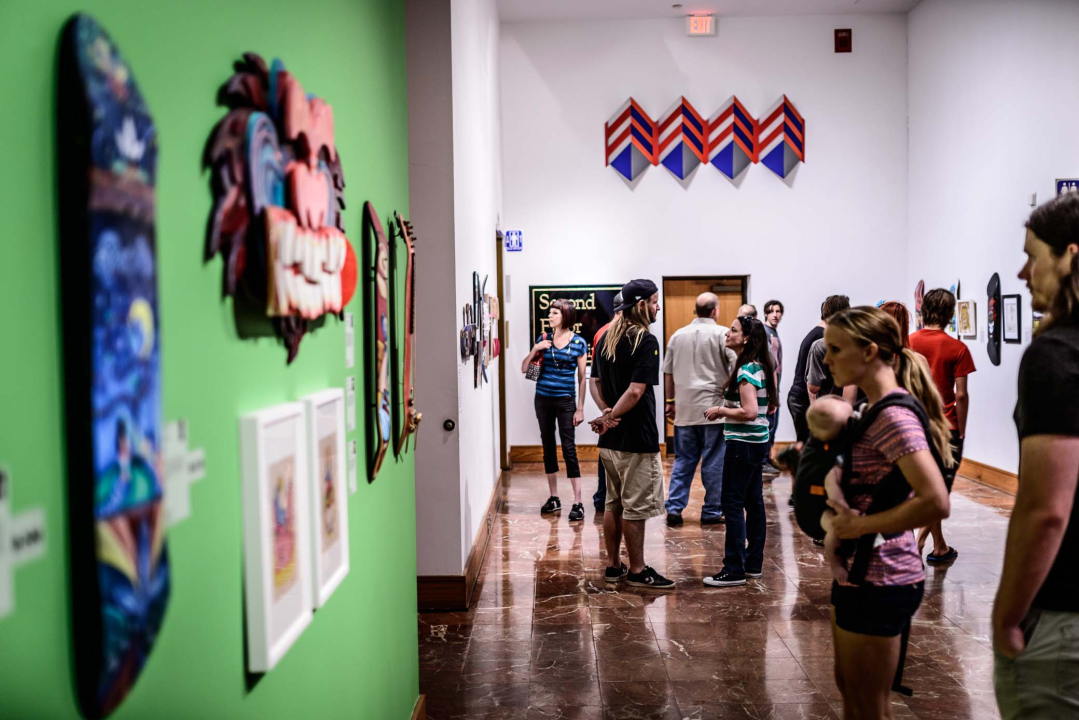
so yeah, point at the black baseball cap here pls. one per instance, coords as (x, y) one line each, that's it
(634, 291)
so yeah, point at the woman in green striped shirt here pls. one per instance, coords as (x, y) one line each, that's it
(749, 398)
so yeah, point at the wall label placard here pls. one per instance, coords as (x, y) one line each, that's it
(350, 341)
(594, 305)
(183, 466)
(22, 540)
(350, 402)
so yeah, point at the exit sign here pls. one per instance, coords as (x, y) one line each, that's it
(701, 24)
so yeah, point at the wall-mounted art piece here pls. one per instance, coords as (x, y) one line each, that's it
(112, 360)
(410, 417)
(377, 269)
(278, 584)
(953, 327)
(325, 412)
(994, 317)
(1012, 320)
(682, 139)
(919, 295)
(966, 312)
(278, 191)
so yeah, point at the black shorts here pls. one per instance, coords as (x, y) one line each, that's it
(957, 455)
(873, 610)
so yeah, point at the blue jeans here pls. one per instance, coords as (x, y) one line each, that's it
(743, 504)
(697, 444)
(599, 500)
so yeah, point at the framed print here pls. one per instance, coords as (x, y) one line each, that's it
(1013, 321)
(966, 314)
(329, 516)
(277, 531)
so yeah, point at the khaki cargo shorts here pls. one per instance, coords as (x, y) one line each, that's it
(634, 483)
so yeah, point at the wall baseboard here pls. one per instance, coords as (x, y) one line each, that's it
(988, 475)
(454, 592)
(585, 453)
(420, 711)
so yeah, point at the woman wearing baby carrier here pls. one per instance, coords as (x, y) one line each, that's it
(903, 445)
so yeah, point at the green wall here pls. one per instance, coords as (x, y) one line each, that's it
(358, 657)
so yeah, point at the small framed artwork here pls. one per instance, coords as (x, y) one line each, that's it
(329, 516)
(1013, 321)
(277, 531)
(966, 314)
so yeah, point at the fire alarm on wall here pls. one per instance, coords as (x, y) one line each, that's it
(843, 40)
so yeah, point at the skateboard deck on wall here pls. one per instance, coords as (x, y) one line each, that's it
(112, 357)
(919, 294)
(410, 419)
(381, 414)
(993, 344)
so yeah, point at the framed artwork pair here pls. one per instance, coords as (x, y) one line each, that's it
(295, 519)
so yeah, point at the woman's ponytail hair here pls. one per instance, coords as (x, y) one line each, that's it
(869, 325)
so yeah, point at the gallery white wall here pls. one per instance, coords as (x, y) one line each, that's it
(992, 120)
(839, 226)
(455, 196)
(477, 203)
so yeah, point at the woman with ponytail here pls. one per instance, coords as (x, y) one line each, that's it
(865, 348)
(749, 398)
(1036, 614)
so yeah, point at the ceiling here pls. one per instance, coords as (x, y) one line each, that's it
(525, 10)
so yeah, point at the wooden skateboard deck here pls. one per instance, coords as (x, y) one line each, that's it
(410, 419)
(119, 561)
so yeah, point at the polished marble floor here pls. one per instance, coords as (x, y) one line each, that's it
(547, 638)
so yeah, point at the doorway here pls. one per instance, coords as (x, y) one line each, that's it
(679, 309)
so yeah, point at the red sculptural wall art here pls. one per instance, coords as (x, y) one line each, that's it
(278, 195)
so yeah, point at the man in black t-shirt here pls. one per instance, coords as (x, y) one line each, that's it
(624, 369)
(1036, 613)
(798, 397)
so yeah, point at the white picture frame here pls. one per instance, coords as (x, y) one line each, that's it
(966, 314)
(277, 531)
(328, 493)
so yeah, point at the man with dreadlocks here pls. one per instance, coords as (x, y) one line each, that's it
(624, 369)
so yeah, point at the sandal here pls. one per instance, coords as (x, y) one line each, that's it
(947, 557)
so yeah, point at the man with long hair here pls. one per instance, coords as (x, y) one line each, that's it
(624, 369)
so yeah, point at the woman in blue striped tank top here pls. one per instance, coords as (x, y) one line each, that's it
(560, 400)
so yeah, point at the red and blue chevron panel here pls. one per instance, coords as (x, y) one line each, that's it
(731, 140)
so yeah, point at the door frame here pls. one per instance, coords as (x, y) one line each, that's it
(743, 281)
(503, 339)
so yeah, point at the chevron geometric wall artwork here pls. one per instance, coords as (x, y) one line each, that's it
(731, 140)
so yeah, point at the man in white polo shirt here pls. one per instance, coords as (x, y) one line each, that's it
(695, 369)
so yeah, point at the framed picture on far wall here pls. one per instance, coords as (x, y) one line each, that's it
(966, 319)
(277, 531)
(1013, 320)
(329, 510)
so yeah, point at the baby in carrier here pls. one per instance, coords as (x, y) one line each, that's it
(828, 417)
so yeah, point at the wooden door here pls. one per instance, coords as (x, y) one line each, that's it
(680, 307)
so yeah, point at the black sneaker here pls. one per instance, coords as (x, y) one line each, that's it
(790, 501)
(613, 575)
(725, 578)
(674, 519)
(649, 578)
(754, 575)
(552, 505)
(576, 512)
(717, 520)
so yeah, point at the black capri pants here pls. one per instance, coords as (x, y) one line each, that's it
(548, 411)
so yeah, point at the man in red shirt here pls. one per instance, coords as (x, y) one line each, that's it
(951, 363)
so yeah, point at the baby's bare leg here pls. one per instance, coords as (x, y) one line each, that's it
(831, 540)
